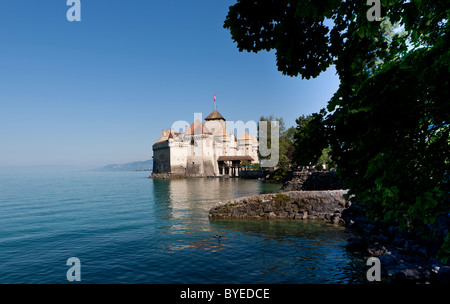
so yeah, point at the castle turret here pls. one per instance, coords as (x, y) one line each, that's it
(215, 121)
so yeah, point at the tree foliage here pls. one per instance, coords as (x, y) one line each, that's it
(392, 142)
(310, 139)
(388, 124)
(286, 140)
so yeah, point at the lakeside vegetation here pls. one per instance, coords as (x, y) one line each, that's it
(386, 129)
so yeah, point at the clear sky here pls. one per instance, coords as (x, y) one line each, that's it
(99, 91)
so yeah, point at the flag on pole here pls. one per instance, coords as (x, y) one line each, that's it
(214, 97)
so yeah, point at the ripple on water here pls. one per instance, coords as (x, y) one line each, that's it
(126, 228)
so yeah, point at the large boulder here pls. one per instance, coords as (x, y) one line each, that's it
(322, 205)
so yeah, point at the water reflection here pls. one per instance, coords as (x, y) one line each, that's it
(162, 203)
(209, 245)
(184, 204)
(251, 251)
(182, 207)
(308, 251)
(281, 228)
(215, 189)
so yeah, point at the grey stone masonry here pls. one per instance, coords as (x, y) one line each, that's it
(294, 205)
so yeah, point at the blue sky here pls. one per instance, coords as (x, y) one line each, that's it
(99, 91)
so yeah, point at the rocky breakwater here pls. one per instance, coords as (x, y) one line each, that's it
(312, 180)
(405, 257)
(167, 176)
(294, 205)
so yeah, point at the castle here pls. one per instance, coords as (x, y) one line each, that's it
(204, 149)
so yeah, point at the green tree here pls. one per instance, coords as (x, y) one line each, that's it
(310, 139)
(245, 163)
(286, 144)
(289, 138)
(388, 123)
(325, 158)
(281, 126)
(286, 141)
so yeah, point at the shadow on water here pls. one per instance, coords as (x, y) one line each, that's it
(304, 250)
(252, 251)
(280, 228)
(126, 228)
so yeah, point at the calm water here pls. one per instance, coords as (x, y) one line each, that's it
(126, 228)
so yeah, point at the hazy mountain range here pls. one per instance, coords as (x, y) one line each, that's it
(146, 165)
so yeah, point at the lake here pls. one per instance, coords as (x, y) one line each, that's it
(127, 228)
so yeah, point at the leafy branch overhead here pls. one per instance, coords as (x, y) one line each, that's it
(388, 123)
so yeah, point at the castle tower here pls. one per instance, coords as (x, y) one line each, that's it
(215, 121)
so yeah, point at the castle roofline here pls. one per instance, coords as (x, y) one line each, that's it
(197, 128)
(221, 132)
(245, 136)
(166, 135)
(214, 115)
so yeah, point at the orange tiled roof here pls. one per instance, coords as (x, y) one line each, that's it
(214, 115)
(245, 136)
(167, 135)
(221, 132)
(197, 128)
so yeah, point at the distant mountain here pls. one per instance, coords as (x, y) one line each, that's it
(146, 165)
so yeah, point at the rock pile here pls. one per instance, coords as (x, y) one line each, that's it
(167, 176)
(315, 180)
(404, 256)
(295, 205)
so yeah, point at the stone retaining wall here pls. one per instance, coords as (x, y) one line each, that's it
(316, 180)
(251, 174)
(295, 205)
(167, 176)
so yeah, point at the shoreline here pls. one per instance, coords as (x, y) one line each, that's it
(244, 175)
(294, 205)
(404, 258)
